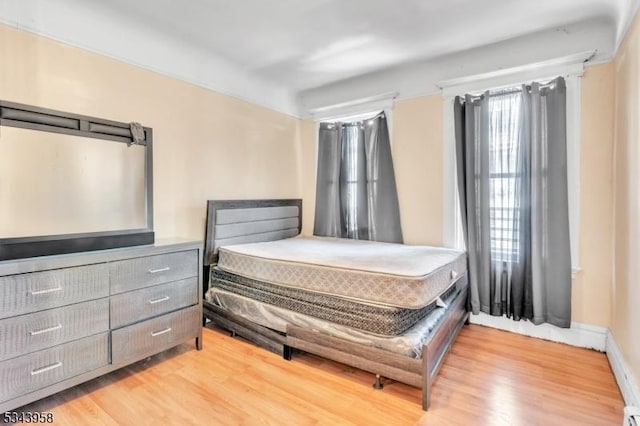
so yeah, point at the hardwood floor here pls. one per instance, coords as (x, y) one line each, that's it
(490, 377)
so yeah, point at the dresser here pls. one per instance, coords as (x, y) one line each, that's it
(67, 319)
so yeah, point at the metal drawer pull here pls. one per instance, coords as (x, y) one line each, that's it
(49, 290)
(162, 299)
(45, 369)
(156, 271)
(157, 333)
(46, 330)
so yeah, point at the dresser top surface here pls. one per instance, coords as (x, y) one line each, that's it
(33, 264)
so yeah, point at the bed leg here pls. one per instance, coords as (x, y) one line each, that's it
(467, 321)
(378, 383)
(232, 333)
(426, 379)
(426, 398)
(287, 352)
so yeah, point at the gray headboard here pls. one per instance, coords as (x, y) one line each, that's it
(249, 221)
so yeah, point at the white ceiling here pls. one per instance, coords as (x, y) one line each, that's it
(292, 55)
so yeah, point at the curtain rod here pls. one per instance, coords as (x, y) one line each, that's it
(510, 91)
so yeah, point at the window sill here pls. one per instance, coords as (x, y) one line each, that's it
(575, 271)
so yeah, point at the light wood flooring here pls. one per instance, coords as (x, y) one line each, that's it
(490, 377)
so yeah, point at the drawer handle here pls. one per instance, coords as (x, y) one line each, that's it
(48, 290)
(157, 333)
(45, 369)
(162, 299)
(157, 271)
(46, 330)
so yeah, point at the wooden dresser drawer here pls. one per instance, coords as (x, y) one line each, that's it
(154, 335)
(28, 373)
(130, 307)
(132, 274)
(35, 291)
(40, 330)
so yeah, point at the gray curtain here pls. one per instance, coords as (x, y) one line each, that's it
(511, 159)
(356, 194)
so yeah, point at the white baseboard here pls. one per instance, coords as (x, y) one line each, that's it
(625, 378)
(581, 335)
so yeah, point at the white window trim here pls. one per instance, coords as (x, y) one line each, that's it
(572, 68)
(353, 107)
(369, 113)
(355, 110)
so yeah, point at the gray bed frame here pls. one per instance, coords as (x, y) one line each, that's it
(240, 221)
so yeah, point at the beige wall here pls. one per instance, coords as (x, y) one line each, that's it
(626, 290)
(206, 145)
(591, 288)
(308, 158)
(417, 158)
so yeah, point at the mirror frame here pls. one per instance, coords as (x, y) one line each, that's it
(47, 120)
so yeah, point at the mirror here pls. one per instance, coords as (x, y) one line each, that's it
(55, 184)
(73, 185)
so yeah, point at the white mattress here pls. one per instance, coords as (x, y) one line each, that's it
(390, 274)
(408, 344)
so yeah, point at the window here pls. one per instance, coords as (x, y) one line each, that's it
(504, 177)
(353, 172)
(572, 69)
(356, 194)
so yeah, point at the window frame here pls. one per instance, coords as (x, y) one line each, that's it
(572, 69)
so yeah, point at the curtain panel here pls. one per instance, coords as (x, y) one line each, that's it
(511, 158)
(356, 194)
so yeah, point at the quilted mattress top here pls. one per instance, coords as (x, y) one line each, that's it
(391, 274)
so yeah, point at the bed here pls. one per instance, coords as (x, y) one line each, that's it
(389, 309)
